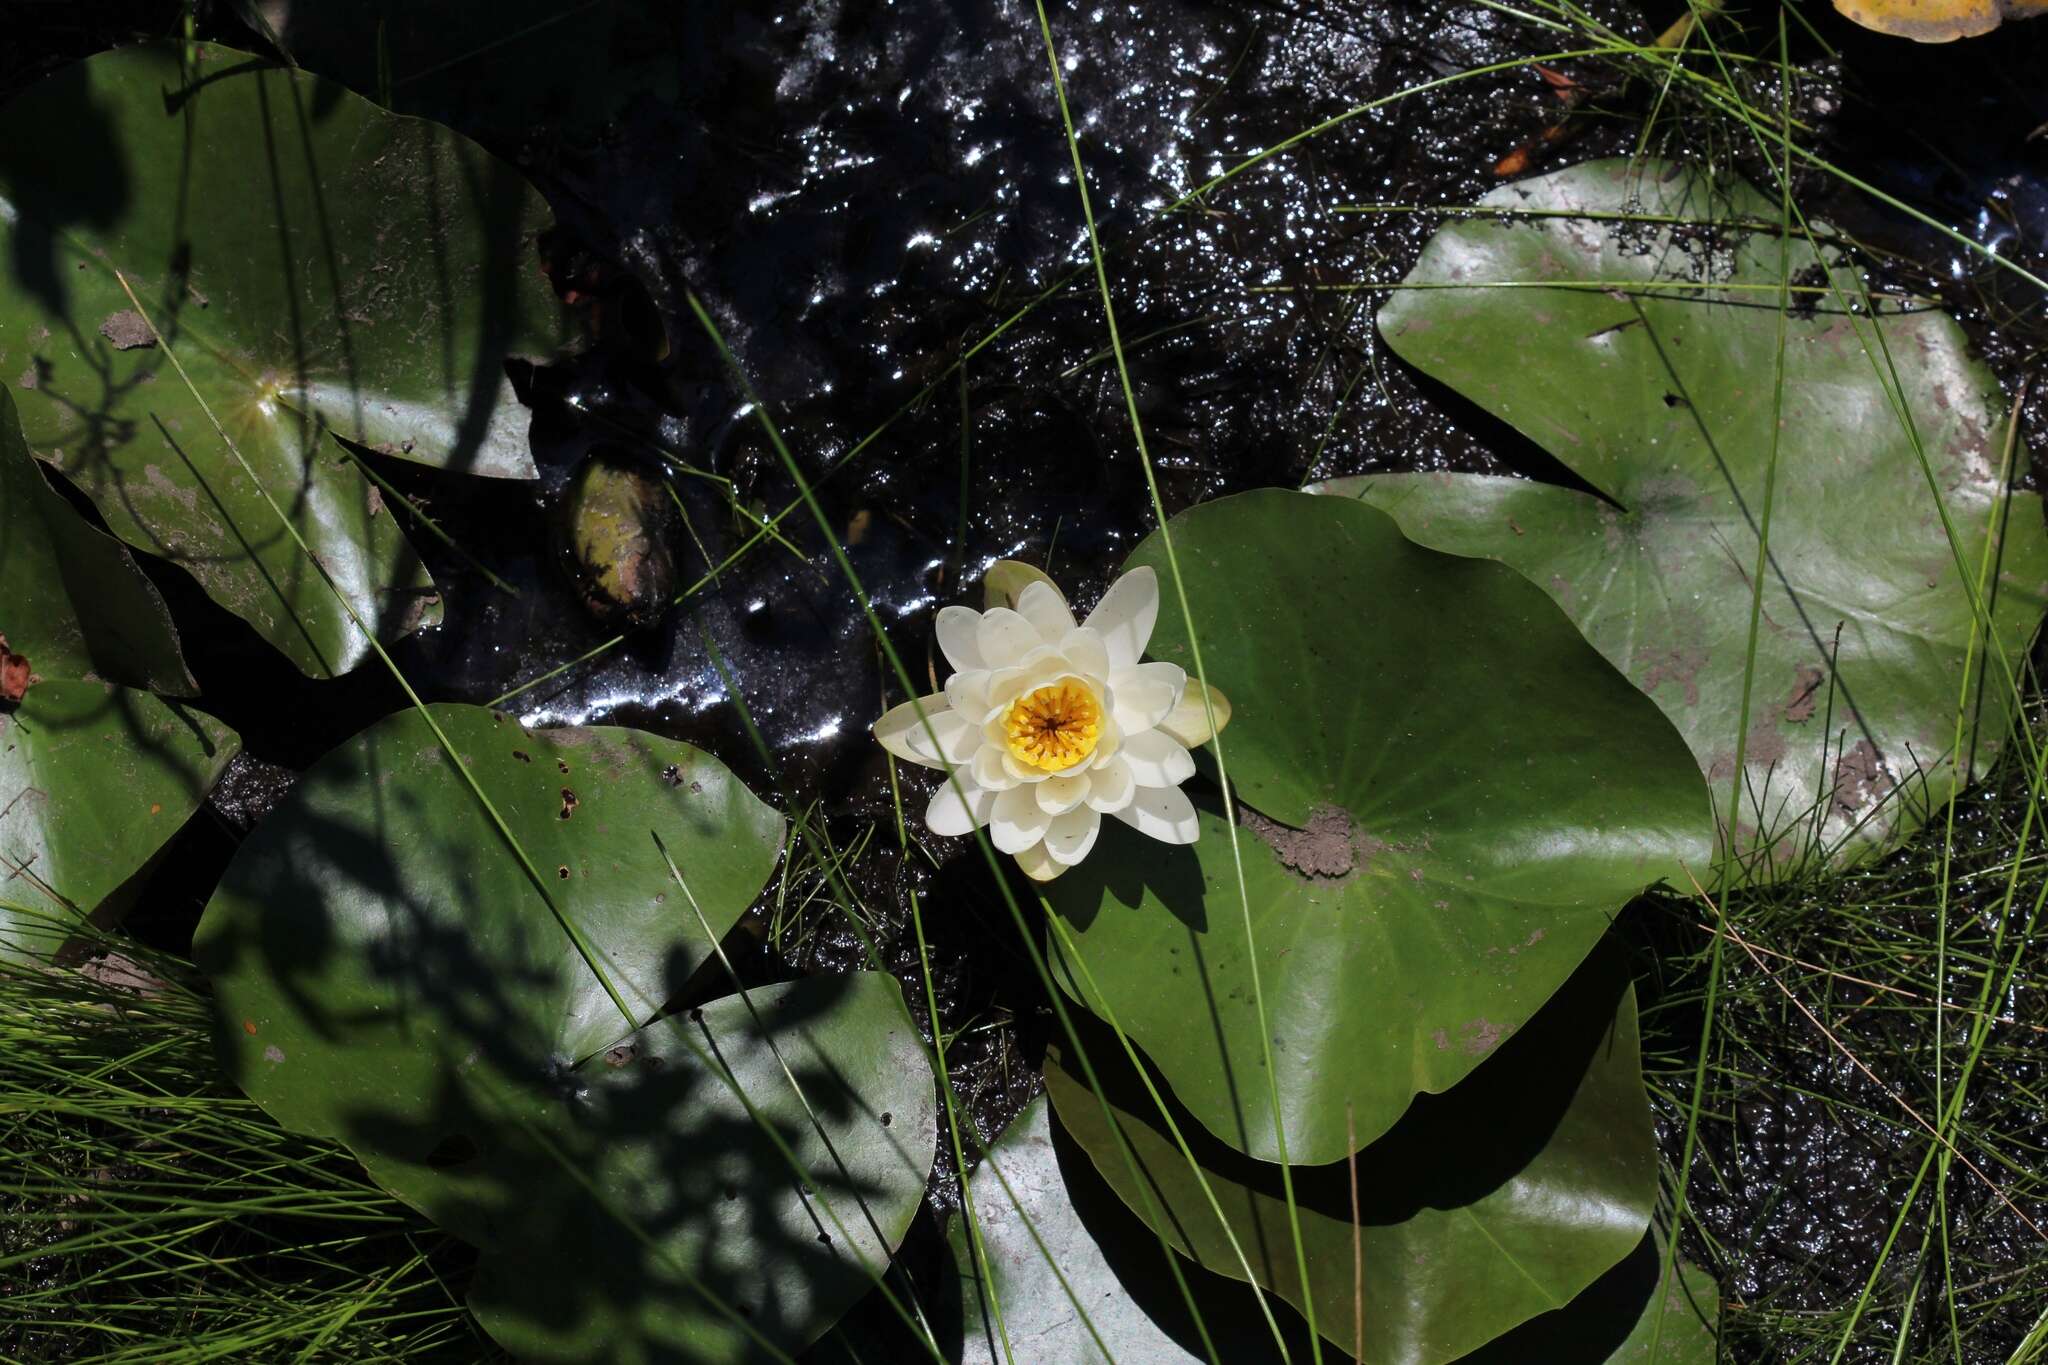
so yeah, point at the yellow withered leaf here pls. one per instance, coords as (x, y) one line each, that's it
(1937, 21)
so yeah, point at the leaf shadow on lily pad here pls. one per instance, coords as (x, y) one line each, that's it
(383, 979)
(491, 1152)
(321, 268)
(1170, 872)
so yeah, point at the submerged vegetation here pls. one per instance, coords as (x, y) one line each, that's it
(448, 911)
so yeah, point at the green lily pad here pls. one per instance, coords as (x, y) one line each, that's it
(1484, 1208)
(319, 264)
(388, 974)
(94, 777)
(1045, 1217)
(376, 928)
(1657, 389)
(1453, 795)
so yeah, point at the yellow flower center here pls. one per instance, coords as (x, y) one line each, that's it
(1054, 727)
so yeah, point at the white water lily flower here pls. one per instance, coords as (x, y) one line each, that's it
(1047, 726)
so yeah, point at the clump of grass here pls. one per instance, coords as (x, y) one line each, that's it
(150, 1212)
(1871, 1178)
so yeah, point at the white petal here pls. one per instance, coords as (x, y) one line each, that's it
(1058, 795)
(1085, 653)
(958, 737)
(1038, 864)
(1188, 722)
(1165, 813)
(1071, 835)
(957, 628)
(1018, 772)
(1042, 605)
(1017, 823)
(1144, 695)
(988, 769)
(1111, 786)
(967, 693)
(955, 813)
(1109, 743)
(1157, 761)
(1005, 637)
(1126, 614)
(902, 733)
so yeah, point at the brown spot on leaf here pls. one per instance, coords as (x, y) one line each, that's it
(568, 802)
(249, 1027)
(1805, 694)
(128, 331)
(1479, 1037)
(1763, 748)
(1860, 778)
(1682, 666)
(620, 1055)
(522, 755)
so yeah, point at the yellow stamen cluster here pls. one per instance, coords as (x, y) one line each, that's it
(1054, 727)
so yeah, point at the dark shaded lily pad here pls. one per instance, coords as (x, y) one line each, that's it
(1484, 1208)
(1661, 398)
(377, 928)
(501, 68)
(1453, 795)
(94, 777)
(388, 974)
(319, 264)
(1615, 1319)
(741, 1244)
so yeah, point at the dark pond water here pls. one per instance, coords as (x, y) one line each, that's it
(864, 193)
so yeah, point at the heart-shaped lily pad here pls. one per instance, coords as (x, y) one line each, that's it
(94, 776)
(1452, 795)
(388, 973)
(1657, 388)
(1482, 1209)
(319, 264)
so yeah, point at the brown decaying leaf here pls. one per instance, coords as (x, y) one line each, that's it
(14, 675)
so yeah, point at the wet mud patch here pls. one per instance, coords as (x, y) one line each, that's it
(128, 330)
(1327, 849)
